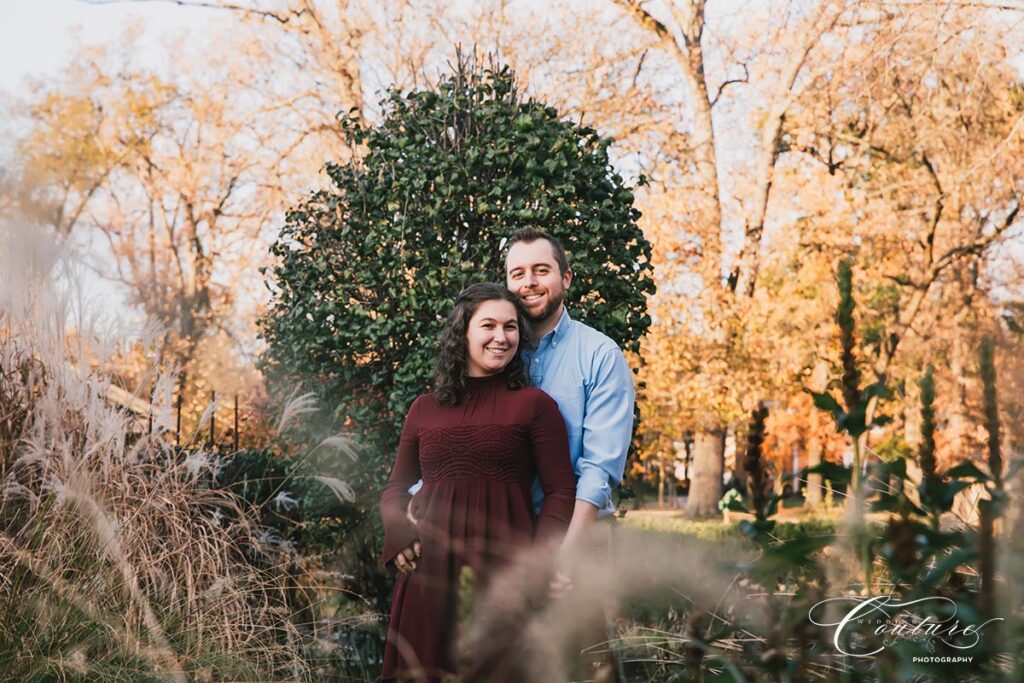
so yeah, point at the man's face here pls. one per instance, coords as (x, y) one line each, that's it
(532, 274)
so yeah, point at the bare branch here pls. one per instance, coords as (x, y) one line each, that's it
(909, 313)
(639, 67)
(647, 21)
(282, 18)
(904, 281)
(745, 274)
(939, 205)
(745, 79)
(976, 247)
(1012, 7)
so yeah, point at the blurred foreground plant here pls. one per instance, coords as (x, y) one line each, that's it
(920, 574)
(113, 561)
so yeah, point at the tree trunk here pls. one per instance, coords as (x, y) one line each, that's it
(661, 482)
(815, 485)
(856, 496)
(815, 451)
(739, 471)
(706, 474)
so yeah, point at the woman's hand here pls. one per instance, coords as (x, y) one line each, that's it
(408, 514)
(406, 559)
(560, 585)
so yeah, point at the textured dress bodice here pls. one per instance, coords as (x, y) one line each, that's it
(491, 452)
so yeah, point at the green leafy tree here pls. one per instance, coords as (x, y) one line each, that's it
(367, 270)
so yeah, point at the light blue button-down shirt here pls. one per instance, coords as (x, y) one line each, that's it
(587, 375)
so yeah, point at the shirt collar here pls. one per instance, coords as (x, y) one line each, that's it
(561, 329)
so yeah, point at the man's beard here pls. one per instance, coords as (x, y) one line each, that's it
(547, 311)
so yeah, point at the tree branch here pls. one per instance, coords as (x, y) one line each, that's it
(282, 18)
(1012, 7)
(647, 21)
(939, 204)
(639, 66)
(881, 365)
(745, 79)
(976, 247)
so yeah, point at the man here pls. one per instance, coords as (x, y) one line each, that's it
(581, 368)
(587, 375)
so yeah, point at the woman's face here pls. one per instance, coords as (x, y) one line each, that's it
(492, 337)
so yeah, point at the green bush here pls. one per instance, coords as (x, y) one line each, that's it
(367, 270)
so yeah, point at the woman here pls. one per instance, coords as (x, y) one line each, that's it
(477, 442)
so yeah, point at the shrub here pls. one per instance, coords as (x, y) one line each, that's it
(368, 269)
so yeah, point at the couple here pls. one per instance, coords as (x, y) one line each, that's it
(523, 397)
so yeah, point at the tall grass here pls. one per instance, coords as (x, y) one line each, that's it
(117, 561)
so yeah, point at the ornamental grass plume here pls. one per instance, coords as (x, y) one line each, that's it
(116, 558)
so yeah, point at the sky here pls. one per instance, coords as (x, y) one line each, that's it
(37, 37)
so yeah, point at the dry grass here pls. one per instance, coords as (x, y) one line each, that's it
(117, 562)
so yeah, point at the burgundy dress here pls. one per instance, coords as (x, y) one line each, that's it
(477, 461)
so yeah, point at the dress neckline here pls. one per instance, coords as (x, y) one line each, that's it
(487, 380)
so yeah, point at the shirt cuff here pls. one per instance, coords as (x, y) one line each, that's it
(593, 487)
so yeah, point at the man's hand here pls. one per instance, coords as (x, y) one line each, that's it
(584, 515)
(406, 559)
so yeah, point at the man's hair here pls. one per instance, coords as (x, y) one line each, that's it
(529, 234)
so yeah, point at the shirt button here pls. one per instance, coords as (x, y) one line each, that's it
(554, 343)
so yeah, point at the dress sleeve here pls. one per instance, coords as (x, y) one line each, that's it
(550, 444)
(399, 532)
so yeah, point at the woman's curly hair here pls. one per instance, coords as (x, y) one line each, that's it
(452, 358)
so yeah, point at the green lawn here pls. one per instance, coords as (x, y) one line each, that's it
(719, 530)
